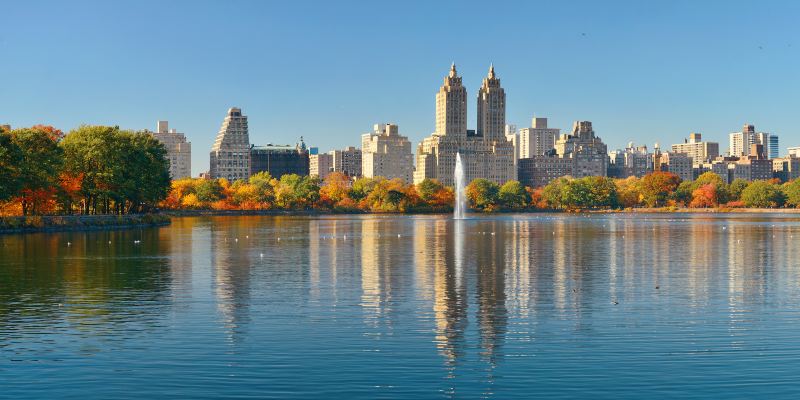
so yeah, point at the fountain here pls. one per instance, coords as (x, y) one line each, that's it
(461, 198)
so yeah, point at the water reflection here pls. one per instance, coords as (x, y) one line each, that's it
(387, 306)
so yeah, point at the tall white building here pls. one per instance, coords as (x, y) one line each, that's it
(230, 154)
(485, 153)
(537, 139)
(179, 151)
(320, 165)
(384, 152)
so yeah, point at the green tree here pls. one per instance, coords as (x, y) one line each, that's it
(363, 186)
(428, 189)
(208, 190)
(553, 192)
(483, 194)
(602, 192)
(262, 182)
(762, 194)
(736, 188)
(38, 167)
(10, 159)
(513, 195)
(792, 191)
(296, 192)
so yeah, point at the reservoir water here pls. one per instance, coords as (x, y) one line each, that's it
(361, 307)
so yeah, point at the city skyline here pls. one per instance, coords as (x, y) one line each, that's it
(317, 77)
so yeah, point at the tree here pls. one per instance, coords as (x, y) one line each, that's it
(10, 158)
(719, 188)
(602, 192)
(705, 196)
(208, 190)
(483, 194)
(628, 192)
(657, 186)
(736, 188)
(553, 192)
(363, 186)
(296, 192)
(39, 165)
(762, 194)
(792, 192)
(335, 189)
(428, 189)
(512, 195)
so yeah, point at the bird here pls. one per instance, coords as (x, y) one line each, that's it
(616, 302)
(261, 255)
(658, 287)
(69, 244)
(109, 242)
(137, 241)
(398, 235)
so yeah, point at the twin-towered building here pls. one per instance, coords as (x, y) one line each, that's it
(485, 152)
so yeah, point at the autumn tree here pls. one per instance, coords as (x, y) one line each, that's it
(483, 194)
(10, 159)
(656, 188)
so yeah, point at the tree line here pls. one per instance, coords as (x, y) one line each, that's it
(107, 170)
(90, 170)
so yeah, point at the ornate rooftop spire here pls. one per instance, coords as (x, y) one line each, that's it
(491, 71)
(453, 69)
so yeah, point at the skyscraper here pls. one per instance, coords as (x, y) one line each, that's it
(230, 154)
(491, 108)
(485, 154)
(179, 151)
(451, 106)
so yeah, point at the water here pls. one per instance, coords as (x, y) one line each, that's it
(506, 306)
(460, 197)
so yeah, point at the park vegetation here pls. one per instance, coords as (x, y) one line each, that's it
(107, 170)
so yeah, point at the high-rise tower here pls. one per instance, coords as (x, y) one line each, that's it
(451, 106)
(230, 154)
(491, 108)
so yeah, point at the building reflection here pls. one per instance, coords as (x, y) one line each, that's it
(231, 274)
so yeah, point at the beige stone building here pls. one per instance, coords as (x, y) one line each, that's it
(486, 153)
(384, 152)
(179, 151)
(230, 154)
(320, 165)
(697, 149)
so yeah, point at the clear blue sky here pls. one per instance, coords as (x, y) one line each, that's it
(641, 71)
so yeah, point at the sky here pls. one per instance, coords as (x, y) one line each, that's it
(641, 71)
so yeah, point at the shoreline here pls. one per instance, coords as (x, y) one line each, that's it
(73, 223)
(70, 223)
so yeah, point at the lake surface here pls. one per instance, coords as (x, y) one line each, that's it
(504, 306)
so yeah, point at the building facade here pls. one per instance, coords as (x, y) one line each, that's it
(679, 164)
(633, 161)
(179, 151)
(230, 154)
(538, 139)
(786, 169)
(280, 160)
(697, 149)
(741, 142)
(320, 165)
(347, 161)
(384, 152)
(485, 152)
